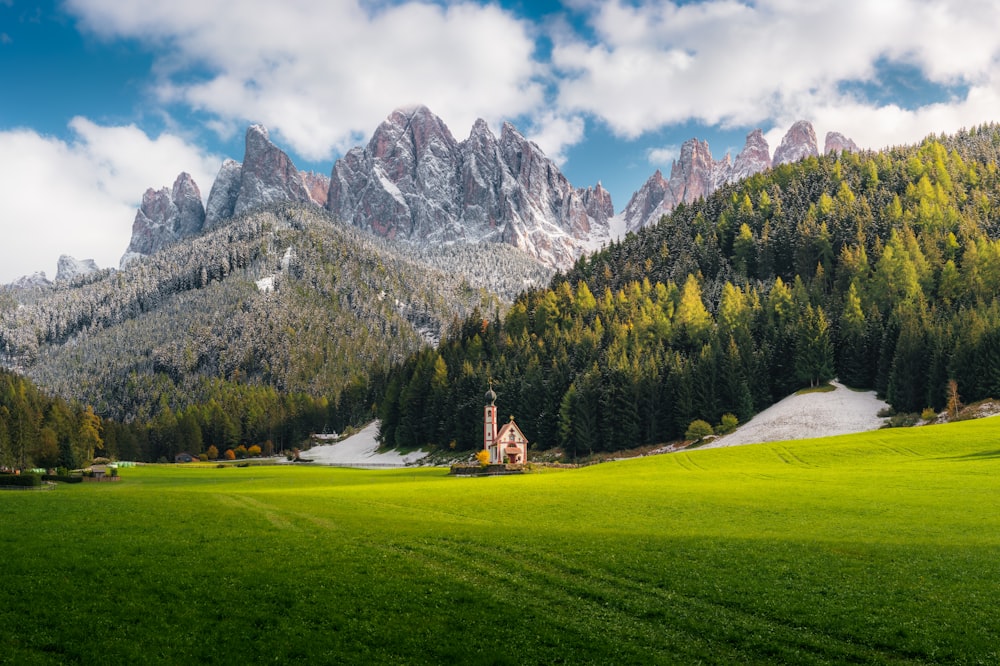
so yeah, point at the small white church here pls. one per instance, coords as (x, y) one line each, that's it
(506, 445)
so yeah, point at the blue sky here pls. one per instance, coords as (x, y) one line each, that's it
(100, 99)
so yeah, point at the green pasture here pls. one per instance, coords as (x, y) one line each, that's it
(882, 548)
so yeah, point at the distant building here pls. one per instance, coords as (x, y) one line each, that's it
(506, 445)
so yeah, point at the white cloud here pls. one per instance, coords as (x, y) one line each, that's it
(321, 75)
(554, 134)
(663, 156)
(79, 197)
(772, 62)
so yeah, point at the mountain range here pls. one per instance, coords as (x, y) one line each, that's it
(414, 182)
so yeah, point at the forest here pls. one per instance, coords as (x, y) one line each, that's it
(880, 269)
(256, 334)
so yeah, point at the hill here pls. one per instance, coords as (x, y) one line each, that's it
(281, 316)
(877, 268)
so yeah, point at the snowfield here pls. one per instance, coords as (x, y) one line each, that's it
(821, 414)
(359, 450)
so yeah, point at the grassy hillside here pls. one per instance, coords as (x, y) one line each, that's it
(874, 548)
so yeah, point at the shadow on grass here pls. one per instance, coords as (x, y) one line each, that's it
(981, 455)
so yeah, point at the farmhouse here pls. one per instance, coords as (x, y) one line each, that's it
(506, 445)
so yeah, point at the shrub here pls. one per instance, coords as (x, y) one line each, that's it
(699, 430)
(483, 457)
(61, 478)
(26, 480)
(729, 423)
(203, 457)
(902, 420)
(213, 452)
(254, 451)
(241, 452)
(928, 414)
(230, 455)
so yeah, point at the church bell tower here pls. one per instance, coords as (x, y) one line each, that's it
(490, 425)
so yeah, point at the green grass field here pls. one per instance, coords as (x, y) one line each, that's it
(880, 548)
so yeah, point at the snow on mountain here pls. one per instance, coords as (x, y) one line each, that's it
(165, 217)
(415, 182)
(70, 268)
(797, 144)
(695, 174)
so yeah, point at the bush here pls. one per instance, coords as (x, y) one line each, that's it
(483, 457)
(729, 423)
(61, 478)
(26, 480)
(902, 420)
(699, 430)
(928, 414)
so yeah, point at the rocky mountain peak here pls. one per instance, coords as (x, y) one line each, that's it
(645, 202)
(798, 143)
(754, 158)
(166, 216)
(695, 174)
(414, 182)
(222, 197)
(35, 280)
(267, 174)
(837, 143)
(70, 268)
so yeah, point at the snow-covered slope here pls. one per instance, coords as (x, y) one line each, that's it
(359, 450)
(807, 415)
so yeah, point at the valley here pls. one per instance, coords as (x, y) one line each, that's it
(876, 547)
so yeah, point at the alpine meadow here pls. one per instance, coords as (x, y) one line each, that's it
(239, 334)
(877, 548)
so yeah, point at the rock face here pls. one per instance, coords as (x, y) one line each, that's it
(647, 203)
(799, 143)
(222, 198)
(415, 182)
(70, 268)
(268, 174)
(754, 158)
(318, 187)
(837, 143)
(695, 174)
(166, 216)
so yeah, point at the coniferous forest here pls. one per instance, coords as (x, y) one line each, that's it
(257, 334)
(880, 269)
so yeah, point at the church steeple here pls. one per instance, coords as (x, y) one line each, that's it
(490, 424)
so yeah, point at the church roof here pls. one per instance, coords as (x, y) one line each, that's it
(507, 427)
